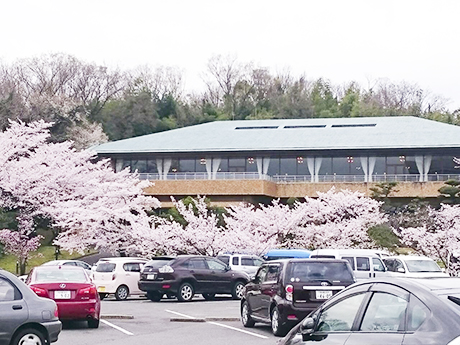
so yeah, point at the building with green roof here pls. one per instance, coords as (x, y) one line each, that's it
(307, 154)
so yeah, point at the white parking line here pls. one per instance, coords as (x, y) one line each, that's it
(183, 315)
(221, 325)
(116, 327)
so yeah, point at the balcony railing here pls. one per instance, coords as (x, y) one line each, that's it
(299, 178)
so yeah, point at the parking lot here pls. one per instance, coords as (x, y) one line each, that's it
(167, 322)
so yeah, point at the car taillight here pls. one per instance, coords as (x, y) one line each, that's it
(166, 269)
(89, 292)
(289, 292)
(39, 291)
(56, 313)
(114, 276)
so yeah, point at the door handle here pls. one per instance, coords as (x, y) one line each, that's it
(17, 307)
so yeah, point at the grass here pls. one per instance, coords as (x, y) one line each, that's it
(42, 255)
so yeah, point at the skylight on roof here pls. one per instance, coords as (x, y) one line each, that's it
(258, 127)
(305, 126)
(355, 125)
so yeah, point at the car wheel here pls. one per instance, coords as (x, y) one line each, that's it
(102, 296)
(29, 336)
(209, 296)
(154, 296)
(122, 293)
(185, 292)
(277, 329)
(93, 323)
(238, 289)
(246, 318)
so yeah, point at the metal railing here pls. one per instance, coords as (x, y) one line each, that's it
(297, 178)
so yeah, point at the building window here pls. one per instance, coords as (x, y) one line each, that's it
(288, 166)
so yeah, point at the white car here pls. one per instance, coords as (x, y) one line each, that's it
(413, 267)
(118, 276)
(242, 262)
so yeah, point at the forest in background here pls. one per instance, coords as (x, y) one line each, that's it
(90, 104)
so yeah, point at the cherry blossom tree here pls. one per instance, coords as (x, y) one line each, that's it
(438, 238)
(86, 200)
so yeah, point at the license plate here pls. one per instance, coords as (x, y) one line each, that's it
(151, 276)
(101, 289)
(62, 294)
(323, 294)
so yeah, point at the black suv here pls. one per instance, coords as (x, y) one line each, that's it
(283, 292)
(186, 275)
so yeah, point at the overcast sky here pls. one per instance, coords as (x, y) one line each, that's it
(416, 41)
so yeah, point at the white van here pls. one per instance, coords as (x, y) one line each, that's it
(413, 266)
(365, 263)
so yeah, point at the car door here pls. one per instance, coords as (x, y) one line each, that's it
(200, 272)
(378, 268)
(363, 268)
(220, 278)
(132, 274)
(269, 288)
(253, 290)
(13, 310)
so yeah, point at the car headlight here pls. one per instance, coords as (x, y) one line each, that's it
(166, 269)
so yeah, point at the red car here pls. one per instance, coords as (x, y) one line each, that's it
(71, 288)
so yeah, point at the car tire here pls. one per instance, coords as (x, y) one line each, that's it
(154, 296)
(277, 329)
(29, 336)
(237, 291)
(102, 295)
(186, 292)
(122, 293)
(93, 323)
(246, 318)
(209, 296)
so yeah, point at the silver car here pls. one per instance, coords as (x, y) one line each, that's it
(25, 318)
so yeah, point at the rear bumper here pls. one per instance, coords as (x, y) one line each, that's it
(53, 328)
(293, 314)
(158, 285)
(79, 310)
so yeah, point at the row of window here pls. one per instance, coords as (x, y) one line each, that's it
(350, 165)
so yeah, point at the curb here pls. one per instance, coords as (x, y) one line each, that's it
(112, 316)
(200, 319)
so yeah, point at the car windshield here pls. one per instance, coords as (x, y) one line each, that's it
(159, 263)
(105, 267)
(60, 275)
(422, 266)
(308, 271)
(224, 258)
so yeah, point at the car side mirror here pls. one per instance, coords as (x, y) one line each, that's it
(307, 327)
(401, 270)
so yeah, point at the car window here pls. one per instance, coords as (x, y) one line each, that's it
(385, 313)
(69, 263)
(397, 265)
(422, 266)
(224, 258)
(362, 264)
(272, 273)
(257, 261)
(132, 267)
(235, 260)
(105, 267)
(247, 261)
(197, 264)
(418, 313)
(60, 275)
(351, 260)
(6, 291)
(340, 316)
(261, 273)
(389, 263)
(308, 271)
(378, 265)
(83, 265)
(215, 265)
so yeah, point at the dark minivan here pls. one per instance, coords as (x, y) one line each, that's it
(283, 292)
(187, 275)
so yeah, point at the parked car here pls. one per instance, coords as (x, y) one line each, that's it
(283, 292)
(77, 263)
(118, 276)
(276, 254)
(242, 262)
(25, 318)
(187, 275)
(365, 263)
(384, 312)
(413, 266)
(71, 288)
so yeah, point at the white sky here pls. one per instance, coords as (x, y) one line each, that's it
(416, 41)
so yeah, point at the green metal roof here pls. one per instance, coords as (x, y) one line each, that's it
(300, 134)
